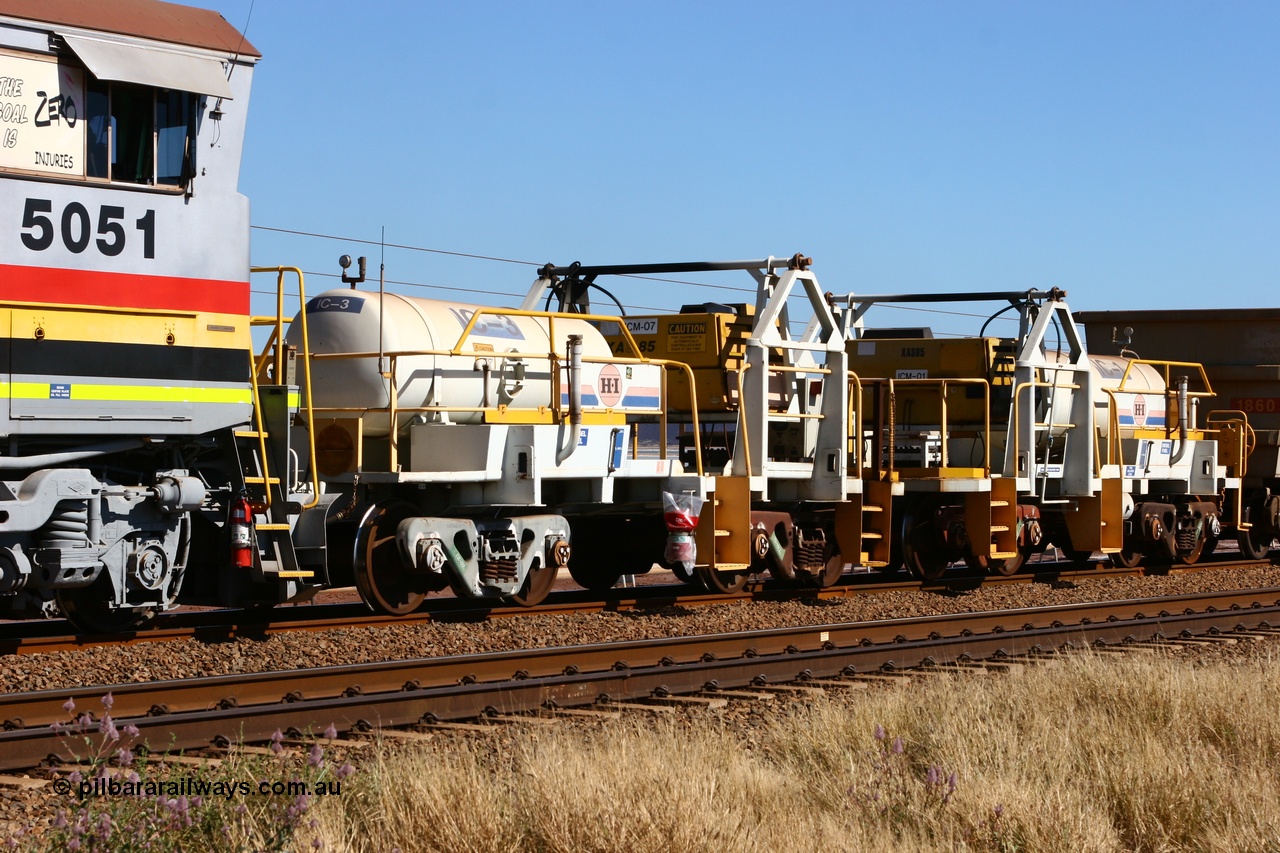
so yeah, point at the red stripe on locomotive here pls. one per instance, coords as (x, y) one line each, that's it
(122, 290)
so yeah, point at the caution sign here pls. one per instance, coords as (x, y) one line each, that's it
(687, 337)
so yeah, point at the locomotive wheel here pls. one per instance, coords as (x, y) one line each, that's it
(86, 608)
(923, 549)
(1252, 544)
(386, 583)
(537, 585)
(723, 581)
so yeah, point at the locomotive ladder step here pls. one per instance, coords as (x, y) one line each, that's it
(999, 503)
(251, 433)
(872, 508)
(720, 532)
(270, 527)
(730, 567)
(258, 481)
(302, 573)
(999, 528)
(872, 536)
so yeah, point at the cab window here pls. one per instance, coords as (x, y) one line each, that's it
(139, 134)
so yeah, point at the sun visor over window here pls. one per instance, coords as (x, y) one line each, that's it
(124, 63)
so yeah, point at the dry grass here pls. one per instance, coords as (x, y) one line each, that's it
(1094, 754)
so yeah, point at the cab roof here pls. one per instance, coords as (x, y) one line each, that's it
(150, 19)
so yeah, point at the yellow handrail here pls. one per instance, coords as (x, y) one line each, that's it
(277, 338)
(942, 384)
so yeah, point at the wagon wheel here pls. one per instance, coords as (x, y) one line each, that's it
(923, 548)
(1007, 567)
(681, 574)
(537, 584)
(386, 582)
(724, 581)
(831, 570)
(1254, 545)
(86, 608)
(596, 563)
(1127, 558)
(829, 574)
(1205, 545)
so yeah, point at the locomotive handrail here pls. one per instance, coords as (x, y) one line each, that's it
(277, 338)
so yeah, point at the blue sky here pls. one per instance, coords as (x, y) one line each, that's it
(1127, 152)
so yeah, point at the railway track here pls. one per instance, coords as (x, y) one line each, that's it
(195, 713)
(24, 638)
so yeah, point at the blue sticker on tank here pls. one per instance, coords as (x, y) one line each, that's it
(349, 304)
(59, 392)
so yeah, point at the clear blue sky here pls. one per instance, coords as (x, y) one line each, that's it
(1127, 152)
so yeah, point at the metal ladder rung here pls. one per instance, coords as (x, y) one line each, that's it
(297, 574)
(720, 532)
(270, 527)
(262, 481)
(999, 503)
(872, 508)
(250, 433)
(999, 528)
(872, 536)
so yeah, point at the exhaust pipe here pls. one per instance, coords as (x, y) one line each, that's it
(1182, 421)
(569, 441)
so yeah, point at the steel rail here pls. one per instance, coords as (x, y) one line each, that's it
(25, 638)
(191, 713)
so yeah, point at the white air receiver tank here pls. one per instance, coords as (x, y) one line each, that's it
(505, 362)
(1138, 391)
(1135, 390)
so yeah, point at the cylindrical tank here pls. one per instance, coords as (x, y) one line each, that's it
(506, 361)
(1139, 405)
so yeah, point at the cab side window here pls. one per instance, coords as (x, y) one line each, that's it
(139, 134)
